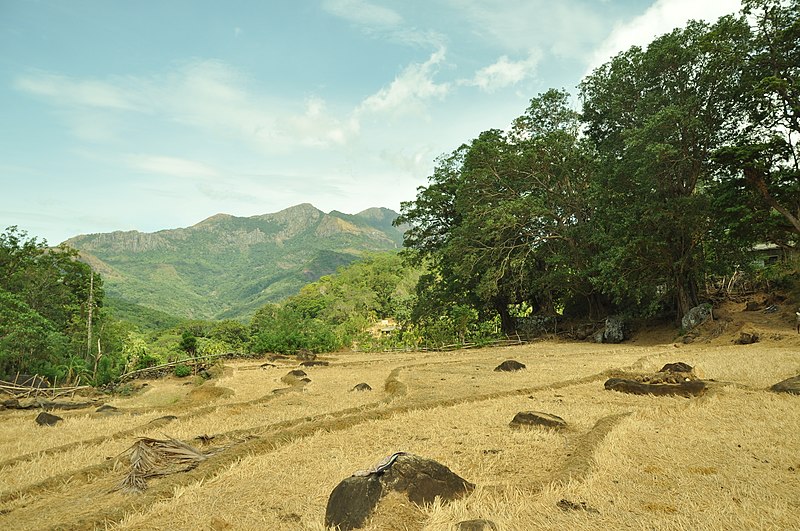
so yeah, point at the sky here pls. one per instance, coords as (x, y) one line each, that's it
(156, 114)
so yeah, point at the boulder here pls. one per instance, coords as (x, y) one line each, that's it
(696, 316)
(615, 330)
(267, 365)
(107, 410)
(476, 525)
(46, 419)
(752, 306)
(687, 389)
(315, 364)
(509, 366)
(537, 418)
(421, 480)
(362, 387)
(789, 385)
(746, 338)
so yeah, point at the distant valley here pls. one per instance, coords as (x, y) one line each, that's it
(227, 266)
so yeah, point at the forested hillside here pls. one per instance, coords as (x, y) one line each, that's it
(226, 266)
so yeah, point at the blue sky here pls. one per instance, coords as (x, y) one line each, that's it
(155, 114)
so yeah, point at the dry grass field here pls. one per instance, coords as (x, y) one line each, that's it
(727, 460)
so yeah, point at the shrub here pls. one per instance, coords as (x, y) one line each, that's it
(182, 371)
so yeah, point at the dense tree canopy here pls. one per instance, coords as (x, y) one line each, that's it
(684, 157)
(46, 299)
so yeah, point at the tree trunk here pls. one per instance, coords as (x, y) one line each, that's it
(506, 321)
(685, 295)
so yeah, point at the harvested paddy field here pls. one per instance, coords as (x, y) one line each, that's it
(275, 446)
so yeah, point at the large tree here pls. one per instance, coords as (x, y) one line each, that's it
(656, 117)
(498, 221)
(764, 158)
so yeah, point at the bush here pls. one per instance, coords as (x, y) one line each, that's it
(182, 371)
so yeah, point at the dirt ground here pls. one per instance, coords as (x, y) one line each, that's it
(729, 459)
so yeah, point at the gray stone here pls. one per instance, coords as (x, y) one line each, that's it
(615, 330)
(509, 366)
(696, 316)
(352, 502)
(363, 386)
(46, 419)
(789, 385)
(421, 480)
(537, 418)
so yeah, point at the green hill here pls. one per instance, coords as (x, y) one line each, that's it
(227, 266)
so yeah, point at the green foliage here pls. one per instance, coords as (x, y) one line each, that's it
(182, 371)
(504, 219)
(46, 298)
(188, 342)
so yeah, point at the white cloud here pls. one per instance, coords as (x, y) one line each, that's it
(80, 93)
(363, 13)
(662, 17)
(172, 166)
(504, 73)
(209, 96)
(409, 90)
(566, 28)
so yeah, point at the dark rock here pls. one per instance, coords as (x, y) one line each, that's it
(676, 367)
(537, 418)
(696, 316)
(509, 366)
(274, 357)
(315, 364)
(615, 330)
(746, 338)
(305, 380)
(46, 419)
(752, 306)
(362, 387)
(297, 373)
(106, 409)
(566, 505)
(352, 502)
(267, 365)
(476, 525)
(687, 389)
(421, 480)
(789, 385)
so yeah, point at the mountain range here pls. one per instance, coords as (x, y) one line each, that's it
(228, 266)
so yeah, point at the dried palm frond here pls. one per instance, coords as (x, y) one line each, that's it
(157, 457)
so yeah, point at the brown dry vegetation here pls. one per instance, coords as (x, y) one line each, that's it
(727, 460)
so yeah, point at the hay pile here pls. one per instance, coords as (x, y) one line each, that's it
(156, 457)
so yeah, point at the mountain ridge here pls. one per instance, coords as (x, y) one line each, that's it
(227, 266)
